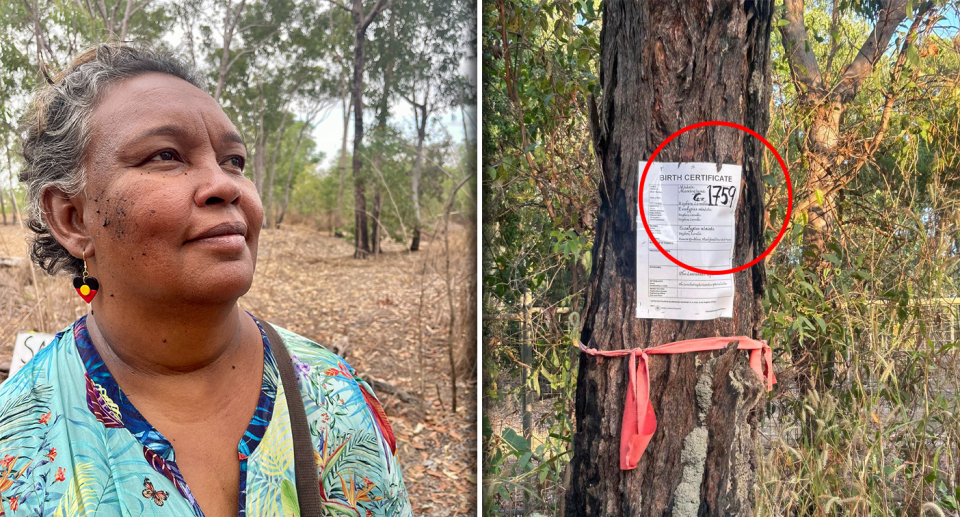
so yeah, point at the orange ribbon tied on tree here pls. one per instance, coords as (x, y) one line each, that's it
(639, 419)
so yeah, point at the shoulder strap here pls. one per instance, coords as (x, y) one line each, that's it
(305, 466)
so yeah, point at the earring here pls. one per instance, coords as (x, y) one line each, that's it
(86, 285)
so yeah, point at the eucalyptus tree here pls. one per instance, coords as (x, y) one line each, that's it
(428, 74)
(362, 17)
(662, 68)
(827, 72)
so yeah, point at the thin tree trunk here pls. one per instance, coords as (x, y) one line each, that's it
(360, 24)
(268, 206)
(383, 108)
(3, 208)
(347, 108)
(420, 114)
(230, 21)
(13, 192)
(362, 245)
(131, 9)
(467, 362)
(375, 223)
(665, 66)
(259, 149)
(829, 102)
(293, 159)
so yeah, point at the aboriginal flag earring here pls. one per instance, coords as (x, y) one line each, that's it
(86, 285)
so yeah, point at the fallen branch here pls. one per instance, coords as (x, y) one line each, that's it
(385, 387)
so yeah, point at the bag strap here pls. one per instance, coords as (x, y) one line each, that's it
(305, 466)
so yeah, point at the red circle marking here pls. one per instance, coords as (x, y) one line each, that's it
(786, 219)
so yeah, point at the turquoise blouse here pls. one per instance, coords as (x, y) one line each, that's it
(71, 442)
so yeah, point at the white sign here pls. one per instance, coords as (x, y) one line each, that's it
(690, 209)
(28, 344)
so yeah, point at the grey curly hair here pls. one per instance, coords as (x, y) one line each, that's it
(55, 132)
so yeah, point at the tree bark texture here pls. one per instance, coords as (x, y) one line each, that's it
(664, 66)
(360, 24)
(420, 114)
(347, 108)
(362, 247)
(375, 222)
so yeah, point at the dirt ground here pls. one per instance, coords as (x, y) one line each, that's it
(308, 282)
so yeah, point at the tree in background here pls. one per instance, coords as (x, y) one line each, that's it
(361, 21)
(428, 76)
(826, 87)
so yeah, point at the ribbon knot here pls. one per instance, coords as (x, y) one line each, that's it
(639, 419)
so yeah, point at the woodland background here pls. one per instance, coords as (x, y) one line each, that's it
(861, 299)
(358, 117)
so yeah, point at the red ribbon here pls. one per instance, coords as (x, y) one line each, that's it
(639, 419)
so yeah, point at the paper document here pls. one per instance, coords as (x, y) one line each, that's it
(690, 208)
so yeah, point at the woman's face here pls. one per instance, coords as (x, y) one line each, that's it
(171, 215)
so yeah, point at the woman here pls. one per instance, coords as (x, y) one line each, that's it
(166, 399)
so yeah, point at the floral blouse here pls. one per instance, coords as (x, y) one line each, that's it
(71, 442)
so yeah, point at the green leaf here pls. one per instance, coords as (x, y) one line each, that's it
(515, 440)
(912, 56)
(524, 462)
(820, 197)
(782, 21)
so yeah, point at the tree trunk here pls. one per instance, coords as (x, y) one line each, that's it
(375, 223)
(415, 241)
(829, 101)
(230, 20)
(268, 206)
(3, 207)
(259, 145)
(293, 159)
(13, 192)
(420, 115)
(362, 246)
(360, 24)
(664, 67)
(383, 107)
(822, 140)
(467, 356)
(343, 151)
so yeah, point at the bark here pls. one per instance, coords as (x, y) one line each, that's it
(13, 193)
(360, 24)
(3, 207)
(415, 240)
(268, 206)
(230, 20)
(375, 223)
(347, 108)
(421, 113)
(259, 149)
(664, 67)
(383, 107)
